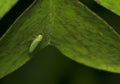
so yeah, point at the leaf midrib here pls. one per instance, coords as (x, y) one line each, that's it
(51, 17)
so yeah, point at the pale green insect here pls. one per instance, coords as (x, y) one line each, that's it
(35, 43)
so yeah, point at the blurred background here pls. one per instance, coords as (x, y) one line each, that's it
(50, 66)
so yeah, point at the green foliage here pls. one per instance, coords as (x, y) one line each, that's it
(5, 6)
(113, 5)
(67, 25)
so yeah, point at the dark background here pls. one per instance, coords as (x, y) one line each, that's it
(50, 66)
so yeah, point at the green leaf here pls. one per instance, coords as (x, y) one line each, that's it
(113, 5)
(16, 42)
(5, 6)
(67, 25)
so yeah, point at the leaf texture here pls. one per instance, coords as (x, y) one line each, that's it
(67, 25)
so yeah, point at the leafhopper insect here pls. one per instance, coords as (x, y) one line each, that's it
(35, 43)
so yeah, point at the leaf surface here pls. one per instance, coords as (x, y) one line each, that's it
(113, 5)
(67, 25)
(5, 6)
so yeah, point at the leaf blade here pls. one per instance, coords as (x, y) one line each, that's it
(111, 5)
(5, 6)
(73, 29)
(15, 44)
(86, 38)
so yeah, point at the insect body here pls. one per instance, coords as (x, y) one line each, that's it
(35, 43)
